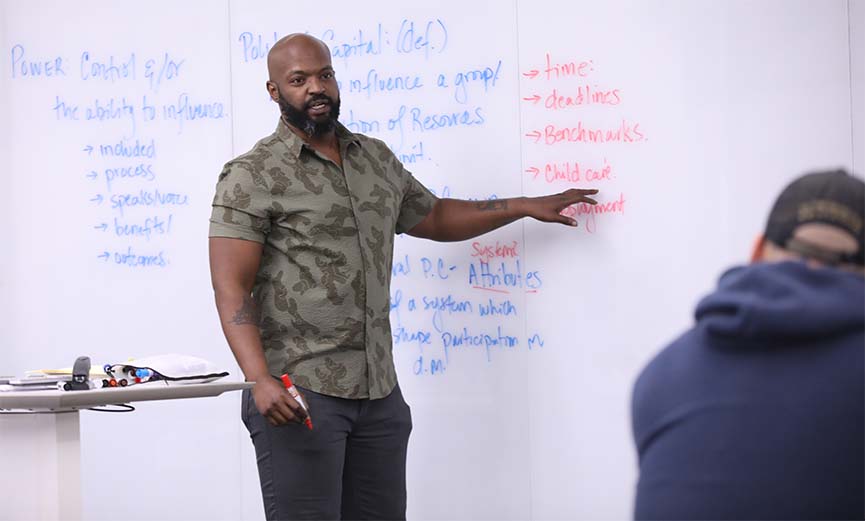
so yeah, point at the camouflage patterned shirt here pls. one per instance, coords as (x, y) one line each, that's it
(323, 286)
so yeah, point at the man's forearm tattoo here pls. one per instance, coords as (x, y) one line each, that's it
(492, 205)
(247, 313)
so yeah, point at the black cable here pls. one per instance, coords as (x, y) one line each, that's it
(36, 412)
(123, 407)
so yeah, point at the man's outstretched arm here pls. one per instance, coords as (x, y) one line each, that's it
(457, 220)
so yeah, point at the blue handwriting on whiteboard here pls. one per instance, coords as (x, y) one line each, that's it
(414, 119)
(141, 170)
(110, 70)
(504, 308)
(502, 276)
(415, 154)
(188, 110)
(359, 44)
(436, 270)
(146, 198)
(164, 68)
(132, 259)
(535, 340)
(401, 267)
(403, 336)
(99, 110)
(435, 366)
(371, 126)
(22, 67)
(149, 226)
(433, 37)
(125, 148)
(376, 83)
(254, 46)
(465, 338)
(487, 76)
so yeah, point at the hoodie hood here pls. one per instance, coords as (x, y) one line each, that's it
(784, 300)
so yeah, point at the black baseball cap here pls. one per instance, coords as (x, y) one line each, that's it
(835, 198)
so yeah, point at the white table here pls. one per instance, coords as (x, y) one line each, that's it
(40, 468)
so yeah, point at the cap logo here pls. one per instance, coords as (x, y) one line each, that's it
(831, 211)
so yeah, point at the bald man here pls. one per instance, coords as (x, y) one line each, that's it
(758, 412)
(301, 246)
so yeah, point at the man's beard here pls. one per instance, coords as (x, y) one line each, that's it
(300, 120)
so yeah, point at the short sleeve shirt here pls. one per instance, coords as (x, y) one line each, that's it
(323, 285)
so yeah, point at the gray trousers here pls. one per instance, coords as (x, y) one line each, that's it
(350, 466)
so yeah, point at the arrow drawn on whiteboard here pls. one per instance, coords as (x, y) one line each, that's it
(102, 226)
(92, 175)
(105, 255)
(88, 149)
(97, 199)
(533, 170)
(535, 134)
(536, 98)
(532, 74)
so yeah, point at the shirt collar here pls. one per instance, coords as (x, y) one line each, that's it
(296, 145)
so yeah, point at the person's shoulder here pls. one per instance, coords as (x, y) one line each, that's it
(255, 158)
(676, 358)
(375, 147)
(369, 141)
(670, 380)
(371, 144)
(249, 166)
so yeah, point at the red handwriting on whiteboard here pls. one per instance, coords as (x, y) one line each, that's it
(486, 252)
(569, 69)
(626, 132)
(584, 95)
(572, 172)
(590, 212)
(616, 206)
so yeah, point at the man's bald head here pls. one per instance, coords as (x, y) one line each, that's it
(303, 83)
(286, 52)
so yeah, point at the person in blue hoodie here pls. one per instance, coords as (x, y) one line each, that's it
(758, 411)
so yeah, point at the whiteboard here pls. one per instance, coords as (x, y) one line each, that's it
(517, 350)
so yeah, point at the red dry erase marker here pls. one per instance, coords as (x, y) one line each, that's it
(292, 390)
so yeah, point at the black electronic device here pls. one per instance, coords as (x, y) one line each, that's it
(80, 375)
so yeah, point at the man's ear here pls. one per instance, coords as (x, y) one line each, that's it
(272, 90)
(758, 252)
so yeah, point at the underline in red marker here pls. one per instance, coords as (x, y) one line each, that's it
(491, 289)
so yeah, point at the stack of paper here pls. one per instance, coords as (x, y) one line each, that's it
(39, 382)
(43, 379)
